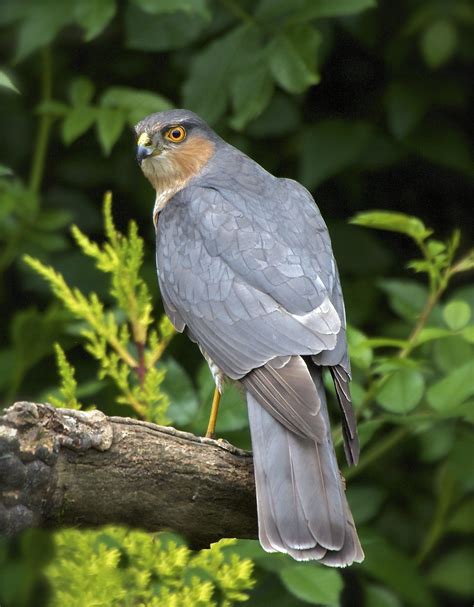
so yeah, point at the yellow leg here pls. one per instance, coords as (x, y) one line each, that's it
(213, 417)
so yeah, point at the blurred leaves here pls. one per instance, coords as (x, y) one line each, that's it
(445, 146)
(24, 226)
(32, 334)
(164, 32)
(406, 297)
(292, 58)
(453, 572)
(117, 107)
(312, 583)
(453, 389)
(405, 103)
(402, 391)
(94, 15)
(226, 58)
(181, 394)
(193, 7)
(331, 146)
(305, 10)
(390, 566)
(117, 566)
(110, 335)
(438, 42)
(6, 82)
(457, 314)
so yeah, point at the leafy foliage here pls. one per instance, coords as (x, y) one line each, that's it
(119, 567)
(367, 103)
(68, 387)
(109, 336)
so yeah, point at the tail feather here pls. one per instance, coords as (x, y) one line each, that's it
(349, 424)
(302, 508)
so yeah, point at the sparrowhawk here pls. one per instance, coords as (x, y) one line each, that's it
(245, 267)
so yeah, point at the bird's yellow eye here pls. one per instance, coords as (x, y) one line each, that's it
(176, 134)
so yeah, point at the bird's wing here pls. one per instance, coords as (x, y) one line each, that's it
(252, 283)
(239, 281)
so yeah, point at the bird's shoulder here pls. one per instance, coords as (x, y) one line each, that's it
(234, 187)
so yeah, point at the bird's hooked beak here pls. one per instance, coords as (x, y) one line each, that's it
(144, 148)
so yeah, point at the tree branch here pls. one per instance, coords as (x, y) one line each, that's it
(61, 467)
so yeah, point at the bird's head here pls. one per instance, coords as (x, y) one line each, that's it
(172, 147)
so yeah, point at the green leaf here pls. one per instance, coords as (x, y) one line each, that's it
(367, 430)
(407, 298)
(305, 10)
(453, 572)
(251, 92)
(94, 16)
(180, 390)
(313, 583)
(468, 334)
(358, 394)
(77, 121)
(37, 546)
(402, 391)
(6, 82)
(159, 7)
(110, 123)
(438, 43)
(405, 104)
(365, 501)
(378, 596)
(146, 32)
(292, 58)
(360, 351)
(43, 20)
(396, 570)
(81, 91)
(394, 363)
(457, 314)
(331, 146)
(431, 334)
(453, 389)
(466, 264)
(444, 145)
(452, 352)
(393, 222)
(53, 108)
(462, 521)
(207, 88)
(233, 411)
(32, 334)
(437, 443)
(135, 103)
(460, 463)
(5, 171)
(387, 342)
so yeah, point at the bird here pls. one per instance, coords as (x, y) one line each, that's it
(246, 269)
